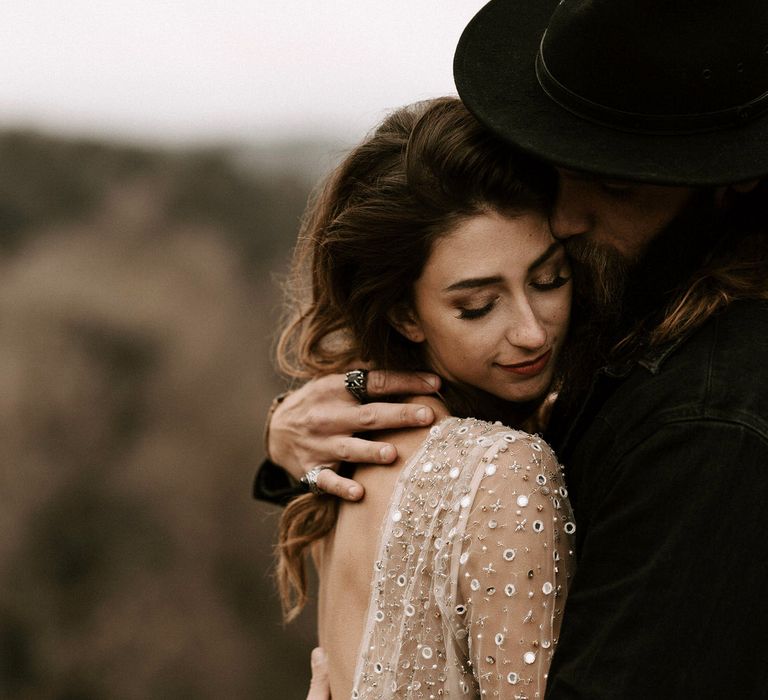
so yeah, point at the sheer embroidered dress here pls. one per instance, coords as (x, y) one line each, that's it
(472, 569)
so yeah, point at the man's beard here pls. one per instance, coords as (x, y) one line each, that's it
(600, 276)
(617, 300)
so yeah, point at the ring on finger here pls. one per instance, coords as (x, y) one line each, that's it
(356, 383)
(310, 478)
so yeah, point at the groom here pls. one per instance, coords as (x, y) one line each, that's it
(655, 116)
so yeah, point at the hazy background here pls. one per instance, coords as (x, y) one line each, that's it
(156, 156)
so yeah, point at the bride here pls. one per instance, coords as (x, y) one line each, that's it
(429, 249)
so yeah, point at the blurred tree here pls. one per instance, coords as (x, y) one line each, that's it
(47, 180)
(136, 316)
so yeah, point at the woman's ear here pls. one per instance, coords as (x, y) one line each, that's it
(405, 321)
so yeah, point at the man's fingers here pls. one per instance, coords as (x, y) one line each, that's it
(330, 482)
(388, 416)
(366, 418)
(319, 686)
(388, 383)
(329, 437)
(360, 451)
(317, 423)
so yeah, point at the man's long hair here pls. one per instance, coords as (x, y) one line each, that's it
(735, 269)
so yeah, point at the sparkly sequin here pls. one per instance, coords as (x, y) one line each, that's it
(457, 530)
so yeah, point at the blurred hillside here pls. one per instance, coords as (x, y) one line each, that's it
(137, 310)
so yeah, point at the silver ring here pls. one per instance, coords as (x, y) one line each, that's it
(356, 383)
(310, 479)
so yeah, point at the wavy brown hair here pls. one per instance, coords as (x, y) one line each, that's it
(363, 243)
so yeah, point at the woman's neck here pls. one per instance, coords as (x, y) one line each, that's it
(466, 401)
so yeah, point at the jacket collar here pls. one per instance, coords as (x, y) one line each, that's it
(655, 357)
(651, 360)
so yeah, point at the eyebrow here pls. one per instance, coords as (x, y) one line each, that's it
(475, 282)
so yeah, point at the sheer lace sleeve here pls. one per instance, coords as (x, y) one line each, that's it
(514, 564)
(472, 569)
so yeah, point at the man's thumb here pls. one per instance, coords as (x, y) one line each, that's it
(319, 686)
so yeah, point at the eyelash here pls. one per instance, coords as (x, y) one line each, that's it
(476, 313)
(471, 314)
(556, 283)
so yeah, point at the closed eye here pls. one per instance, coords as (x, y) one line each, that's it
(554, 283)
(478, 312)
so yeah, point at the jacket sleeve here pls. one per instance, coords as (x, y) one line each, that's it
(274, 485)
(669, 597)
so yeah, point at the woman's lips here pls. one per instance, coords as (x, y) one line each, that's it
(529, 369)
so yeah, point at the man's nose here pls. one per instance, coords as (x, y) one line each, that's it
(571, 214)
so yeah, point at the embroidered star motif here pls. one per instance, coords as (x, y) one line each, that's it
(497, 506)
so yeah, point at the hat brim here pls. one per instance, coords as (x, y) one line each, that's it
(494, 70)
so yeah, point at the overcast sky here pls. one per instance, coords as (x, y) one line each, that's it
(187, 70)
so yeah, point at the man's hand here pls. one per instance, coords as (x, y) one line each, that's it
(317, 423)
(319, 686)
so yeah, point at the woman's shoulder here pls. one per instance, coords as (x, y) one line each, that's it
(465, 460)
(407, 441)
(460, 432)
(480, 440)
(495, 461)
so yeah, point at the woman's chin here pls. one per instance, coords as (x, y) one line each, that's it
(533, 389)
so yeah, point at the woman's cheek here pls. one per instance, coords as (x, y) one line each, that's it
(556, 310)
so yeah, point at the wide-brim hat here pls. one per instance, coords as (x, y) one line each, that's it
(662, 91)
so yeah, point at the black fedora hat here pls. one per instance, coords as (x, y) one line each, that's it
(659, 91)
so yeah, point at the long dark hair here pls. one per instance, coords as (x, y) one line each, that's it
(735, 268)
(364, 242)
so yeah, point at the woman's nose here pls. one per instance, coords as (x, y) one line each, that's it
(526, 330)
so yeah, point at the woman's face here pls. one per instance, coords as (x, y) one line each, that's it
(492, 305)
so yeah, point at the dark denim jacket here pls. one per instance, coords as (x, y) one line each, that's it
(667, 467)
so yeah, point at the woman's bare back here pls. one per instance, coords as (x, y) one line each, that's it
(345, 558)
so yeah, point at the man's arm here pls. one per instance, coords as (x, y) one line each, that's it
(670, 595)
(319, 423)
